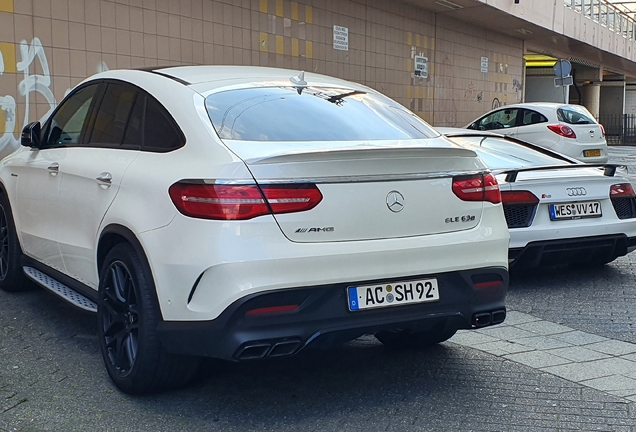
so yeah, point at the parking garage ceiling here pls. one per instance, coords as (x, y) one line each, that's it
(538, 39)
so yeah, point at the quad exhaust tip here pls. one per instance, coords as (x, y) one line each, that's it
(489, 318)
(258, 350)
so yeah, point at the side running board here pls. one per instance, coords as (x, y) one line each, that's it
(60, 289)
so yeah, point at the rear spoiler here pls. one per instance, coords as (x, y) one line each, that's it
(511, 174)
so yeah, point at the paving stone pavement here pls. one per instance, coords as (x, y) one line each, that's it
(584, 358)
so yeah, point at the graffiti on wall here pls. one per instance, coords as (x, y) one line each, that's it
(30, 83)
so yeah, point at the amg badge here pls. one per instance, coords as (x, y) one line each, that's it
(309, 230)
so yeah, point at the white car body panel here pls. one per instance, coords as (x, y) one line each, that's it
(84, 202)
(230, 273)
(35, 194)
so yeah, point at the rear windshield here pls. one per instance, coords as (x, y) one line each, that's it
(311, 114)
(575, 115)
(499, 153)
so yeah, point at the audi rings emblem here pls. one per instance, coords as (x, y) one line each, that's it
(395, 201)
(576, 191)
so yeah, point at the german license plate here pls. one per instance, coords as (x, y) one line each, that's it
(575, 210)
(592, 153)
(392, 294)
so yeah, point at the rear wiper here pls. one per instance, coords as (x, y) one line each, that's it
(337, 99)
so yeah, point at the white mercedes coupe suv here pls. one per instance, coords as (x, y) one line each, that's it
(242, 213)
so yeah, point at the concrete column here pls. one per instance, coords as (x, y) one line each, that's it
(591, 95)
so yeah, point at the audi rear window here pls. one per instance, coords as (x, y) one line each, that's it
(311, 114)
(499, 153)
(575, 115)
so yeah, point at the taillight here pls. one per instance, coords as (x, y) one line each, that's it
(563, 130)
(292, 197)
(519, 197)
(241, 202)
(623, 190)
(602, 130)
(477, 187)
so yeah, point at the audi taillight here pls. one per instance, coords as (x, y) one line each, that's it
(623, 190)
(563, 130)
(241, 202)
(519, 197)
(477, 187)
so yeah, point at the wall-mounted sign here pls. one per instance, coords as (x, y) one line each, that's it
(484, 64)
(421, 67)
(341, 38)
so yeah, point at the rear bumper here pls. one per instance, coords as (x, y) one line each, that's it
(570, 251)
(323, 318)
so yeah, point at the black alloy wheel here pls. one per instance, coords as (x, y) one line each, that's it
(128, 314)
(12, 278)
(120, 320)
(4, 241)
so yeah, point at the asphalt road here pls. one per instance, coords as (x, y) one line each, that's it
(52, 376)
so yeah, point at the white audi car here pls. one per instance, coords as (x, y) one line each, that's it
(243, 213)
(559, 210)
(564, 128)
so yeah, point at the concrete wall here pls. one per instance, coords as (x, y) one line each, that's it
(542, 89)
(612, 100)
(49, 46)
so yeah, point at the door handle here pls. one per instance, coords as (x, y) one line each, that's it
(105, 179)
(54, 168)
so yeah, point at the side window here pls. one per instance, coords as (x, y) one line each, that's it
(113, 114)
(502, 119)
(160, 132)
(532, 117)
(134, 137)
(70, 119)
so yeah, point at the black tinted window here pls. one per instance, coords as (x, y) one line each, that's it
(134, 130)
(532, 117)
(311, 114)
(66, 125)
(113, 113)
(574, 114)
(160, 132)
(502, 119)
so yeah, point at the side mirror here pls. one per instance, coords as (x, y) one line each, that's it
(31, 135)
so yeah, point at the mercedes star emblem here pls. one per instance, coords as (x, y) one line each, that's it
(395, 201)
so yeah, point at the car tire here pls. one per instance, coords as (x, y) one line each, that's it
(128, 315)
(407, 339)
(12, 277)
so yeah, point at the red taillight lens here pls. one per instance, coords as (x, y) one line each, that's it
(292, 198)
(563, 130)
(519, 197)
(241, 202)
(477, 187)
(623, 190)
(602, 130)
